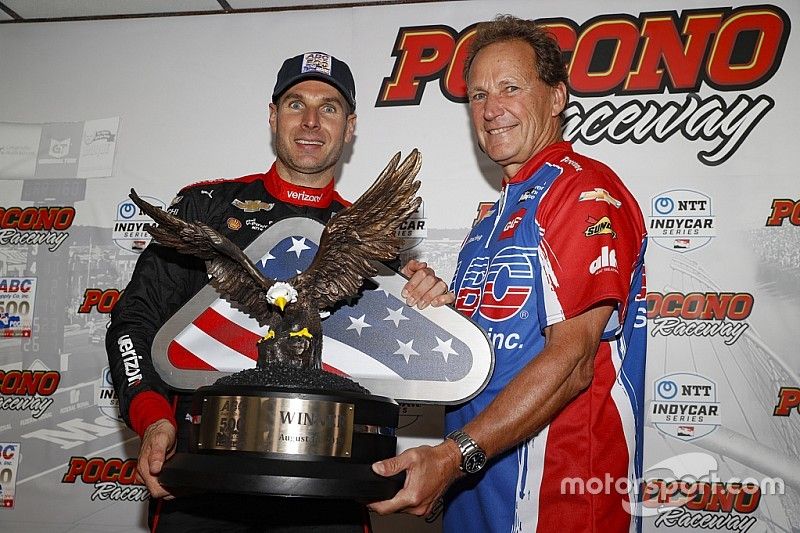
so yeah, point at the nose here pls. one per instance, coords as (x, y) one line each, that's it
(311, 118)
(492, 107)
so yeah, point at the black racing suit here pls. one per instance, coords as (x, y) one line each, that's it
(162, 282)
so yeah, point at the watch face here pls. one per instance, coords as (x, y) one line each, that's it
(474, 462)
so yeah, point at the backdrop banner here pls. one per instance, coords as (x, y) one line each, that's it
(691, 102)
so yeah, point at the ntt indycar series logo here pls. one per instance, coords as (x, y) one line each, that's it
(413, 230)
(681, 220)
(685, 406)
(130, 225)
(113, 479)
(700, 314)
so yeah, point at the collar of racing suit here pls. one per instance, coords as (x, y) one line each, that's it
(537, 160)
(297, 194)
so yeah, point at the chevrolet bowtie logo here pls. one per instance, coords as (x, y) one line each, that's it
(251, 206)
(599, 195)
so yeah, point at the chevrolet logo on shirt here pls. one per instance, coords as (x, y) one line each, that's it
(599, 195)
(252, 206)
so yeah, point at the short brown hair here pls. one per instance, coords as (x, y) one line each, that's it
(550, 64)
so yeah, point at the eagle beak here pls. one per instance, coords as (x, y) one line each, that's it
(280, 301)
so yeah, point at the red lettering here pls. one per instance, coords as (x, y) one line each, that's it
(99, 470)
(37, 218)
(29, 382)
(788, 399)
(103, 300)
(782, 209)
(663, 49)
(596, 69)
(722, 497)
(748, 498)
(76, 467)
(455, 88)
(619, 54)
(700, 305)
(768, 29)
(422, 55)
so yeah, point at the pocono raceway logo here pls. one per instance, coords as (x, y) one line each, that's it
(685, 406)
(700, 314)
(34, 226)
(686, 491)
(727, 50)
(113, 479)
(130, 225)
(28, 390)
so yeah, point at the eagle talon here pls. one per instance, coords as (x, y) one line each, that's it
(302, 333)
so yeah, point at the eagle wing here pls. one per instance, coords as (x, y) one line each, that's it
(361, 233)
(232, 273)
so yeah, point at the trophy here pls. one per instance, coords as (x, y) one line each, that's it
(287, 427)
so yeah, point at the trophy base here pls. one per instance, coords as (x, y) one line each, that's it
(300, 442)
(270, 477)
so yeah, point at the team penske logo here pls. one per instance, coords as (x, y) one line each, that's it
(252, 206)
(726, 50)
(599, 195)
(114, 479)
(600, 227)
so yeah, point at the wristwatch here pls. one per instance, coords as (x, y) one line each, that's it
(473, 458)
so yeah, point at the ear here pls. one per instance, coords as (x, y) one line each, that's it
(559, 94)
(273, 117)
(350, 127)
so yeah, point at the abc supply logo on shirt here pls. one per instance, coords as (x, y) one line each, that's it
(681, 220)
(685, 406)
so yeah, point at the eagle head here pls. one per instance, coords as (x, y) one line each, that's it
(281, 293)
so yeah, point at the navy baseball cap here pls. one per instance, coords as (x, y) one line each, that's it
(316, 66)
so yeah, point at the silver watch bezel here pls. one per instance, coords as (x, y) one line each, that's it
(470, 451)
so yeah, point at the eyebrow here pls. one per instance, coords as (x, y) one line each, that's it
(325, 100)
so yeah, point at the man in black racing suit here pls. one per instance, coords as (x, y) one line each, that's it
(312, 116)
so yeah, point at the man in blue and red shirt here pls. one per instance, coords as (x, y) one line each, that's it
(554, 274)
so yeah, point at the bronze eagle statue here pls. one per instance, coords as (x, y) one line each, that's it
(365, 231)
